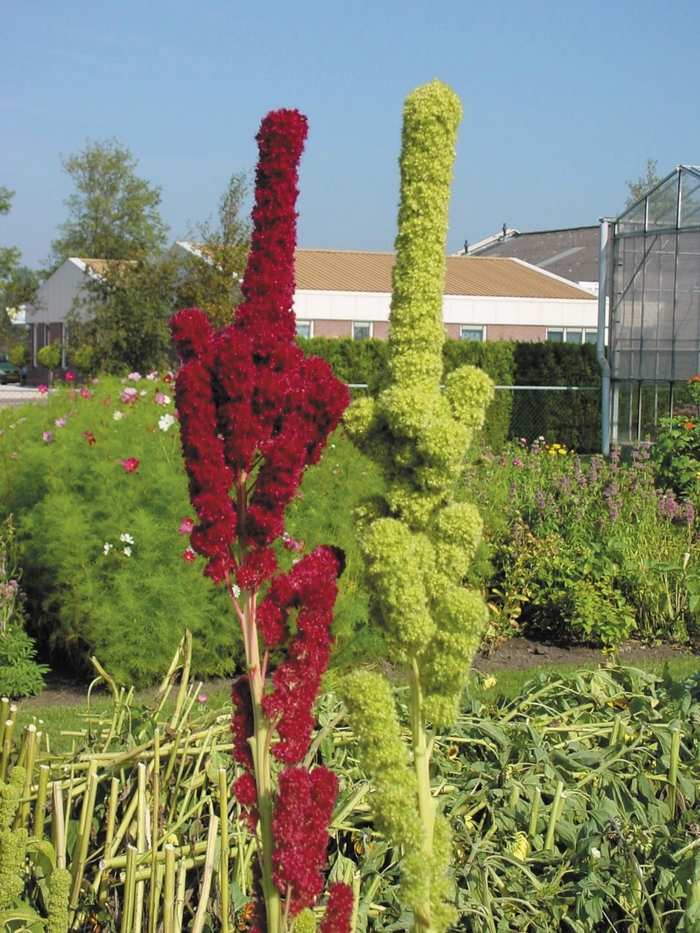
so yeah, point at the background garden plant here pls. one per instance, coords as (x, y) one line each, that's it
(585, 549)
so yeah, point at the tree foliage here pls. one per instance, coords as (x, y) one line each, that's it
(112, 213)
(643, 184)
(125, 318)
(211, 279)
(9, 255)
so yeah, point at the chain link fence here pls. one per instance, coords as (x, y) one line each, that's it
(568, 415)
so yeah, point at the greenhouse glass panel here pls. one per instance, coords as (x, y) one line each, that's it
(662, 208)
(634, 219)
(690, 200)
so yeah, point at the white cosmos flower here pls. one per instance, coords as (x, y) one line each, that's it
(118, 415)
(127, 551)
(126, 539)
(107, 547)
(165, 422)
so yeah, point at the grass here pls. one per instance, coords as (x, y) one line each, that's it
(66, 722)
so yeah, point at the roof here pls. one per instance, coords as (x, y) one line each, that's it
(349, 271)
(572, 253)
(101, 265)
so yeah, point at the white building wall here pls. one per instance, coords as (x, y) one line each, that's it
(457, 309)
(56, 297)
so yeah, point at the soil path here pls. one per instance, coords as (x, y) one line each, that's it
(518, 654)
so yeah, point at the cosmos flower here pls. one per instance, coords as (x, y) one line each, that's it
(130, 464)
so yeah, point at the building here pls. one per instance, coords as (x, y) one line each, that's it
(572, 253)
(48, 315)
(348, 294)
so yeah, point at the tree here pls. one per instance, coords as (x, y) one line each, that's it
(9, 255)
(124, 319)
(211, 280)
(18, 285)
(643, 184)
(112, 214)
(5, 197)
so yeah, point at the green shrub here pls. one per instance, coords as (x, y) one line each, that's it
(570, 418)
(20, 675)
(365, 362)
(50, 356)
(19, 355)
(72, 496)
(89, 590)
(676, 451)
(586, 551)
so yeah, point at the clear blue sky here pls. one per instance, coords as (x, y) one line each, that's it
(563, 102)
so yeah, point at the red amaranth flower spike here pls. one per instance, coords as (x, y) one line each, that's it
(254, 413)
(303, 811)
(338, 914)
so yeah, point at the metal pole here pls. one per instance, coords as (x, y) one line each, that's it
(605, 223)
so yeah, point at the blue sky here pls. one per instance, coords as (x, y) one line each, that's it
(563, 102)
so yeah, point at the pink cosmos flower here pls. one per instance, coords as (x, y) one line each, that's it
(85, 392)
(202, 698)
(60, 422)
(134, 377)
(152, 376)
(162, 398)
(95, 381)
(189, 555)
(42, 390)
(186, 527)
(47, 436)
(129, 394)
(130, 464)
(70, 376)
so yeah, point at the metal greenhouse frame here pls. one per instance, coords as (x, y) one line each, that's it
(650, 283)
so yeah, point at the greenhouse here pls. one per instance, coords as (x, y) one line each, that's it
(653, 284)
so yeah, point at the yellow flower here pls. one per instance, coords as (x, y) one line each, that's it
(562, 451)
(556, 446)
(490, 683)
(552, 453)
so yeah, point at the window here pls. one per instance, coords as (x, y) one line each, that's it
(361, 330)
(572, 334)
(469, 332)
(304, 329)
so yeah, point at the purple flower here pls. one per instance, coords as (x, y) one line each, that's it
(688, 512)
(60, 422)
(47, 436)
(517, 462)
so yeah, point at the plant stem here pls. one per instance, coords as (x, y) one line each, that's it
(224, 867)
(260, 745)
(421, 764)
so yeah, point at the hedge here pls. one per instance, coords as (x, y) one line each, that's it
(571, 418)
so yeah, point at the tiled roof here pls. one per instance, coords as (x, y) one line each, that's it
(348, 271)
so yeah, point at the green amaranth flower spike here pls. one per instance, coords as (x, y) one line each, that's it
(417, 542)
(59, 890)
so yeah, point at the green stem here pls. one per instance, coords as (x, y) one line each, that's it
(422, 748)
